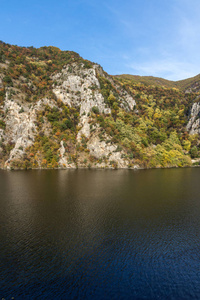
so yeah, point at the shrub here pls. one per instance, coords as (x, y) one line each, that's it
(194, 152)
(7, 79)
(2, 124)
(95, 110)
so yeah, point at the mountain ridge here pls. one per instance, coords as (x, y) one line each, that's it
(183, 84)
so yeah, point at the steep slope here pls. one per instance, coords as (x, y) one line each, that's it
(61, 111)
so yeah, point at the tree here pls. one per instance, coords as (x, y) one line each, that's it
(111, 99)
(194, 152)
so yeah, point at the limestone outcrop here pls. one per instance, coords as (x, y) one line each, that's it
(193, 125)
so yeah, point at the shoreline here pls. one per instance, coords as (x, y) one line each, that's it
(96, 168)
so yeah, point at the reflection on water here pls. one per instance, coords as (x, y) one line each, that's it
(100, 234)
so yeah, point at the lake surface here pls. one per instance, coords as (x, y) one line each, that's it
(100, 234)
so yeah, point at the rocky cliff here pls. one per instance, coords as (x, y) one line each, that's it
(193, 125)
(73, 87)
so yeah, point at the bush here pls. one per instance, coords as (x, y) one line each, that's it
(95, 110)
(194, 152)
(66, 124)
(7, 79)
(2, 124)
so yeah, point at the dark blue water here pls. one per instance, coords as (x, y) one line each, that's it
(85, 234)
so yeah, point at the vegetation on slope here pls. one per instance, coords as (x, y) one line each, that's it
(190, 84)
(154, 134)
(148, 80)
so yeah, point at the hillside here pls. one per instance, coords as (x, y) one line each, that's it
(187, 85)
(148, 80)
(58, 110)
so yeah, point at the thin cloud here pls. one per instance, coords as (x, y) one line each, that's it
(174, 56)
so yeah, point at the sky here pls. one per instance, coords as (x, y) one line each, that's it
(141, 37)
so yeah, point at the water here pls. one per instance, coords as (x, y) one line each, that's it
(88, 234)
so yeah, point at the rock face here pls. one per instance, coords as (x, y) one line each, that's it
(108, 151)
(64, 161)
(85, 127)
(75, 86)
(193, 125)
(21, 128)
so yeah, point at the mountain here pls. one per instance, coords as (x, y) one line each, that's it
(58, 110)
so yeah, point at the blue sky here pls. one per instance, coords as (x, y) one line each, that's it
(141, 37)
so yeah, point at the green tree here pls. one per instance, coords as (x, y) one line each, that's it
(194, 152)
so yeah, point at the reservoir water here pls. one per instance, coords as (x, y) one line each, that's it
(100, 234)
